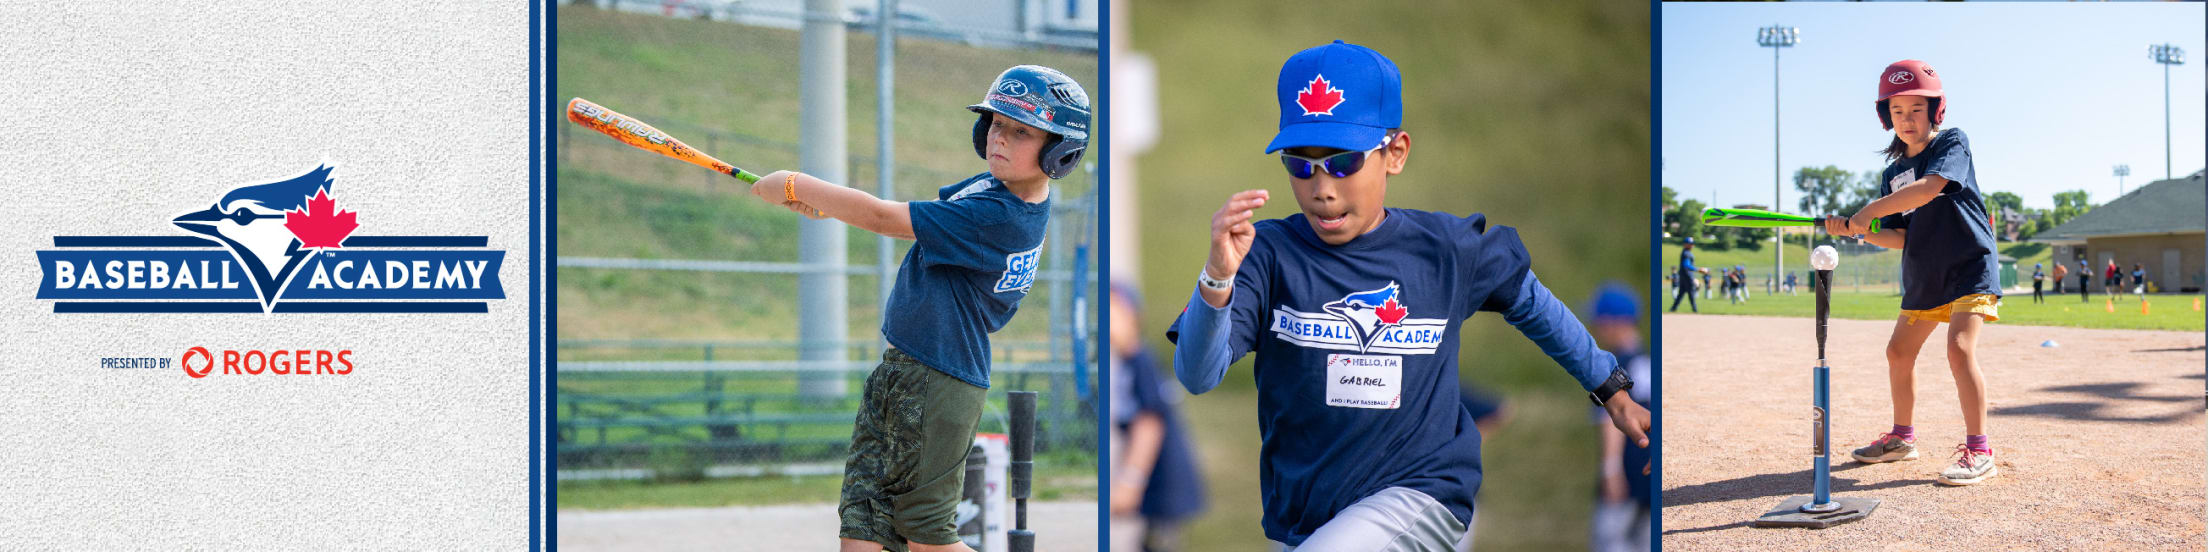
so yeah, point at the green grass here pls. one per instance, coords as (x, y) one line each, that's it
(2165, 312)
(1058, 477)
(2028, 253)
(1536, 114)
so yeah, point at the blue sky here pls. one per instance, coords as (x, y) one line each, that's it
(2052, 95)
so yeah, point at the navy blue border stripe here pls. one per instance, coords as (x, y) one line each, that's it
(1103, 146)
(133, 241)
(538, 31)
(543, 196)
(1656, 268)
(255, 307)
(189, 241)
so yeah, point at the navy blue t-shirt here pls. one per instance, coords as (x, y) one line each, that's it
(1175, 490)
(973, 257)
(1357, 359)
(1948, 251)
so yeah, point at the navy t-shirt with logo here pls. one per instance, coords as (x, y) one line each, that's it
(1357, 348)
(1948, 251)
(973, 257)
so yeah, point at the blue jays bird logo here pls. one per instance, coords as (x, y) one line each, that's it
(251, 221)
(1367, 321)
(1369, 312)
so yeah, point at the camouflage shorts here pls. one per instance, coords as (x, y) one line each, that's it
(908, 454)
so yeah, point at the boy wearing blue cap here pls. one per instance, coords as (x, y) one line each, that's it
(973, 257)
(1353, 309)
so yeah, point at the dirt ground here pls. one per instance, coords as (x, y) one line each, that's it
(1057, 526)
(2100, 441)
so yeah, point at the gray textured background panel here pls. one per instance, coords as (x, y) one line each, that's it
(120, 115)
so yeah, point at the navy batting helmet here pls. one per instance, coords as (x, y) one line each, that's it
(1043, 98)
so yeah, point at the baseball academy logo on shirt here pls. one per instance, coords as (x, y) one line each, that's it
(1320, 99)
(281, 246)
(1367, 321)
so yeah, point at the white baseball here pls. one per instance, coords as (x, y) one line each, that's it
(1824, 257)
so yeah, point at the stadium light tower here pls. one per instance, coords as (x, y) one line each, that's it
(2121, 172)
(1776, 37)
(2166, 55)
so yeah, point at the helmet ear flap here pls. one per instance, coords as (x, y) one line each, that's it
(1060, 156)
(981, 136)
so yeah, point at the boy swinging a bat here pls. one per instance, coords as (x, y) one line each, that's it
(1353, 309)
(974, 256)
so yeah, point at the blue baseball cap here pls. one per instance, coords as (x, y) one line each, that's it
(1337, 95)
(1615, 300)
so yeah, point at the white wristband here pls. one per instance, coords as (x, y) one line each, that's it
(1203, 278)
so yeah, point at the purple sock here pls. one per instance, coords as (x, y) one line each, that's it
(1978, 443)
(1906, 433)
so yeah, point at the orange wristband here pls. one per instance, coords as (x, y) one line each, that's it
(789, 187)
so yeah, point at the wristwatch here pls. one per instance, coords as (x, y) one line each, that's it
(1617, 382)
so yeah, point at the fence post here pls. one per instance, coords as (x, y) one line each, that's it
(822, 242)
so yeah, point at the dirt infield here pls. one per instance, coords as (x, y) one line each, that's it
(2100, 440)
(1057, 526)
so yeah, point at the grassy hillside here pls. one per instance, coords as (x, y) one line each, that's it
(1536, 114)
(732, 91)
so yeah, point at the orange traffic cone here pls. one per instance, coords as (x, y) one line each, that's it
(2196, 304)
(2142, 306)
(2112, 304)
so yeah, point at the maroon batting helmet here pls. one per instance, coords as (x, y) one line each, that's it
(1910, 78)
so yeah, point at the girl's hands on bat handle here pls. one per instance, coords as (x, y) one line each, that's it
(1837, 225)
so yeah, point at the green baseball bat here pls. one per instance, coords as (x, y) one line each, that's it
(1758, 218)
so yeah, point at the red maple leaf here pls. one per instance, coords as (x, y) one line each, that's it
(1391, 312)
(321, 224)
(1319, 100)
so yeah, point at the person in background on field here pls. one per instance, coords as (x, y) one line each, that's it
(2112, 278)
(2039, 278)
(2139, 280)
(1156, 477)
(1625, 499)
(1686, 278)
(2085, 282)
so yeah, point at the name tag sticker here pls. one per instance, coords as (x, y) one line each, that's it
(1364, 381)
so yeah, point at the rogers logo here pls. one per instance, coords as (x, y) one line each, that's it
(303, 362)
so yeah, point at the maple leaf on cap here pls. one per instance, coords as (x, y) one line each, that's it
(321, 224)
(1320, 99)
(1391, 312)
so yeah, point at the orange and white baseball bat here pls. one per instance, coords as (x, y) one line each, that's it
(635, 133)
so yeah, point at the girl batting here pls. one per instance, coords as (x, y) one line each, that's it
(1932, 210)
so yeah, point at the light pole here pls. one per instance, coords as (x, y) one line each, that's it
(2121, 172)
(1776, 37)
(2166, 55)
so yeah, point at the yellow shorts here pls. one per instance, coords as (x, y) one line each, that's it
(1988, 305)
